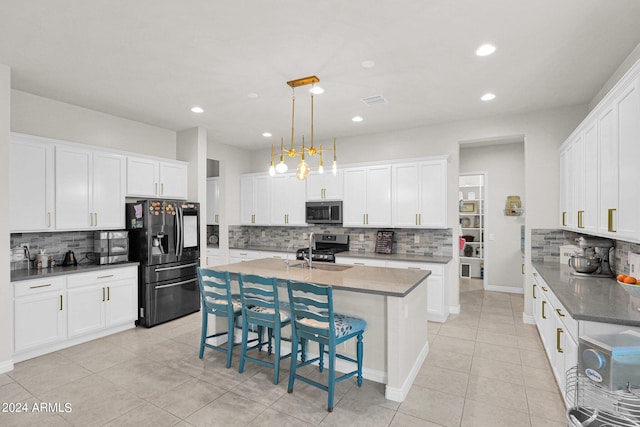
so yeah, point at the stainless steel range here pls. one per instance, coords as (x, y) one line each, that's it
(325, 247)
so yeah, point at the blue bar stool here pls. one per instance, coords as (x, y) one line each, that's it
(261, 308)
(215, 291)
(314, 320)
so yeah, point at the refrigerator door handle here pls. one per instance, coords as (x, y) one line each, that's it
(177, 283)
(178, 231)
(194, 264)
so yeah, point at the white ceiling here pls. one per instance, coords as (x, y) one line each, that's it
(152, 60)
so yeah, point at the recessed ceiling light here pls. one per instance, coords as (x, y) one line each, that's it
(316, 90)
(197, 110)
(252, 95)
(485, 50)
(267, 134)
(357, 119)
(488, 97)
(368, 64)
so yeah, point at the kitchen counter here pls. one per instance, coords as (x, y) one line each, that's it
(32, 273)
(357, 254)
(372, 280)
(592, 299)
(392, 301)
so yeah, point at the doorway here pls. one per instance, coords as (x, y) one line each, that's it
(501, 160)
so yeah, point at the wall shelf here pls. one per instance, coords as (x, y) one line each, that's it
(472, 223)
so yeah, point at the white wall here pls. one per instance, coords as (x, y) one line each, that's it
(234, 162)
(544, 132)
(191, 147)
(35, 115)
(633, 57)
(504, 167)
(6, 291)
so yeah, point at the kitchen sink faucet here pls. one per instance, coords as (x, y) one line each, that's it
(310, 256)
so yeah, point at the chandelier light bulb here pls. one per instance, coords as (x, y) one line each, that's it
(272, 170)
(303, 170)
(282, 167)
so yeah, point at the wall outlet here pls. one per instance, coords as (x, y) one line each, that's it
(304, 236)
(634, 264)
(416, 239)
(264, 234)
(361, 237)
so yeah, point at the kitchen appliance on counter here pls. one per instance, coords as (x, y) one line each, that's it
(110, 247)
(325, 247)
(164, 238)
(593, 257)
(325, 212)
(612, 361)
(69, 259)
(604, 389)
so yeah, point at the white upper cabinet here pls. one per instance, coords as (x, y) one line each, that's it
(89, 189)
(287, 200)
(367, 196)
(324, 186)
(173, 180)
(628, 212)
(608, 170)
(598, 166)
(153, 178)
(31, 184)
(419, 194)
(213, 201)
(255, 199)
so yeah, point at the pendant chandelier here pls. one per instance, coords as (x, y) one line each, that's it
(303, 167)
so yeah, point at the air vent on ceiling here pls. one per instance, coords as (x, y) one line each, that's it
(375, 100)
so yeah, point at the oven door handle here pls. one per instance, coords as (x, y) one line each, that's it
(176, 267)
(177, 283)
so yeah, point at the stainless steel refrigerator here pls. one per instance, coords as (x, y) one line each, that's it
(164, 238)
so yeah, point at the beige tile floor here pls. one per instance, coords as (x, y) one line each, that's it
(484, 368)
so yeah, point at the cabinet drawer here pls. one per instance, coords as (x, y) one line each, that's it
(570, 324)
(37, 286)
(97, 276)
(436, 269)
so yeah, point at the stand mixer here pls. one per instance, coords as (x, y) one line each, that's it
(593, 259)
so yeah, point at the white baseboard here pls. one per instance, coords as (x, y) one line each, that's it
(437, 317)
(529, 320)
(454, 309)
(399, 394)
(507, 289)
(70, 342)
(6, 366)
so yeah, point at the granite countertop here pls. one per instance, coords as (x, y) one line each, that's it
(372, 280)
(358, 254)
(32, 273)
(592, 299)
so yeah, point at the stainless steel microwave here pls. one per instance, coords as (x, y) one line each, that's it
(325, 212)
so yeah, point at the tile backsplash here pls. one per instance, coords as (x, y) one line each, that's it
(56, 244)
(545, 247)
(434, 242)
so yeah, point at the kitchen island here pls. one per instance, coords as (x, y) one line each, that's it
(392, 301)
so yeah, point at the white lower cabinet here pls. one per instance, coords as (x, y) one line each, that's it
(240, 255)
(40, 313)
(558, 331)
(369, 262)
(437, 290)
(437, 297)
(57, 312)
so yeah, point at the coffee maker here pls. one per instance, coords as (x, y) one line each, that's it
(594, 257)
